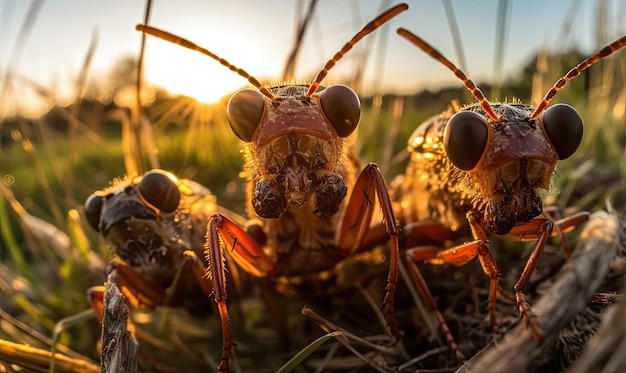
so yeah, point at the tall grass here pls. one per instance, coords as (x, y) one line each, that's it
(48, 258)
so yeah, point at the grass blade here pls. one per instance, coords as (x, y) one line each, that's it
(308, 350)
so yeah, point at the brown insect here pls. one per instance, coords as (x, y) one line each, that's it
(484, 166)
(155, 224)
(315, 209)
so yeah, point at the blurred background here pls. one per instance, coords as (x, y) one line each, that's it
(47, 42)
(71, 120)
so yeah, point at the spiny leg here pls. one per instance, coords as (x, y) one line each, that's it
(529, 268)
(224, 233)
(355, 225)
(487, 262)
(216, 274)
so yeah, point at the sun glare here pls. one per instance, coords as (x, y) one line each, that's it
(186, 72)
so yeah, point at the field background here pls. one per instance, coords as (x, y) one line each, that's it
(51, 163)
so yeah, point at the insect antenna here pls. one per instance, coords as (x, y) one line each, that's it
(190, 45)
(475, 91)
(369, 28)
(574, 72)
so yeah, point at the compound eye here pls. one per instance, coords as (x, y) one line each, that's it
(465, 139)
(93, 210)
(564, 128)
(342, 108)
(245, 110)
(159, 189)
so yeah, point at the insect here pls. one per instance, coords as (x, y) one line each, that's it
(484, 167)
(155, 224)
(313, 208)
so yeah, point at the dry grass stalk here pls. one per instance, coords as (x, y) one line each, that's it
(119, 347)
(31, 359)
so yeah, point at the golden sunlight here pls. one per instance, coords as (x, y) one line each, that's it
(190, 73)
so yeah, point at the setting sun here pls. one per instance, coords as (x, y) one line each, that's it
(183, 71)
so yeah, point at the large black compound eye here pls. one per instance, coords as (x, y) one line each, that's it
(245, 111)
(342, 108)
(159, 190)
(465, 139)
(93, 210)
(564, 128)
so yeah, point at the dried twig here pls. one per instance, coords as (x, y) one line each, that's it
(605, 351)
(119, 347)
(32, 359)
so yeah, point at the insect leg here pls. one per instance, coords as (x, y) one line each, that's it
(412, 256)
(563, 225)
(95, 297)
(460, 255)
(356, 223)
(529, 268)
(487, 262)
(224, 233)
(138, 291)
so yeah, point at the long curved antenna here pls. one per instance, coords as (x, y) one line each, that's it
(190, 45)
(475, 91)
(369, 28)
(574, 72)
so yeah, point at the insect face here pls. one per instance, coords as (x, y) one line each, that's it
(507, 162)
(467, 134)
(502, 154)
(147, 222)
(294, 144)
(145, 197)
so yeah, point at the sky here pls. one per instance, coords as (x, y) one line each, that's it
(258, 35)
